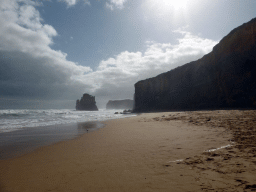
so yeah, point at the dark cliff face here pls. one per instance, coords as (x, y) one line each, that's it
(224, 78)
(120, 104)
(87, 103)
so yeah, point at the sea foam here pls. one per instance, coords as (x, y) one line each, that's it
(16, 119)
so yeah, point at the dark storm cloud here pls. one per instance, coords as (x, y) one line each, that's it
(28, 66)
(25, 76)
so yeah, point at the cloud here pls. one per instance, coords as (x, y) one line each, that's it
(29, 67)
(115, 77)
(74, 2)
(111, 4)
(115, 4)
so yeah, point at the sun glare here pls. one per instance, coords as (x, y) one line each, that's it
(176, 4)
(163, 8)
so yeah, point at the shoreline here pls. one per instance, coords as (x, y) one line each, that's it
(21, 142)
(29, 139)
(168, 151)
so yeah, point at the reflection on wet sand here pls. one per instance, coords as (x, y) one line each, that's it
(23, 141)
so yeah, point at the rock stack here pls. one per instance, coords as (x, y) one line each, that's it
(87, 103)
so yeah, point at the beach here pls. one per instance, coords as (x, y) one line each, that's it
(167, 151)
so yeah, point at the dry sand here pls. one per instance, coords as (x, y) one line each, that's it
(151, 152)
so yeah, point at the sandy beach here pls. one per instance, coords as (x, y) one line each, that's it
(169, 151)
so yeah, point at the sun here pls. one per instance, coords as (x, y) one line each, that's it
(163, 8)
(175, 4)
(165, 12)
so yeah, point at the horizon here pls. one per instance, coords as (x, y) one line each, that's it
(52, 52)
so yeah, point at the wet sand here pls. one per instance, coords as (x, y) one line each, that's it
(168, 151)
(20, 142)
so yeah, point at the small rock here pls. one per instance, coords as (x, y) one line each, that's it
(209, 159)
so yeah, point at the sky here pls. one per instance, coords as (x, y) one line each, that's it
(53, 51)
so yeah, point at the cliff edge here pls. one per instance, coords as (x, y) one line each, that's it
(120, 104)
(224, 78)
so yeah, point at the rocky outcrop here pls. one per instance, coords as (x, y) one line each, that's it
(224, 78)
(120, 104)
(87, 103)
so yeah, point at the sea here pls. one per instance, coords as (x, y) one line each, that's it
(25, 130)
(18, 119)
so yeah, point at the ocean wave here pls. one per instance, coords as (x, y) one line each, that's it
(12, 120)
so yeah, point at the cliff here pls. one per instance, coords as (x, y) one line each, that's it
(120, 104)
(87, 103)
(224, 78)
